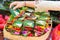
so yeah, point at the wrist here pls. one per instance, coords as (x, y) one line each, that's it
(30, 3)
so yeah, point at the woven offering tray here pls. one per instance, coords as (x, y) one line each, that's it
(28, 24)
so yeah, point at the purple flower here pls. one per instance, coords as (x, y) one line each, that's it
(24, 32)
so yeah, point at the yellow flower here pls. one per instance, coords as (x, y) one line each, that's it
(43, 27)
(10, 26)
(47, 25)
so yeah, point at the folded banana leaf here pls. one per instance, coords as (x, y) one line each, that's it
(40, 23)
(14, 12)
(28, 23)
(17, 11)
(44, 18)
(17, 24)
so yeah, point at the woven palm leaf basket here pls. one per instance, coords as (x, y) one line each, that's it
(32, 36)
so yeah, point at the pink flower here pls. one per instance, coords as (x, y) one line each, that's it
(16, 33)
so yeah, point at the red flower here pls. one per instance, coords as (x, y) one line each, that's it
(30, 34)
(28, 28)
(17, 28)
(38, 28)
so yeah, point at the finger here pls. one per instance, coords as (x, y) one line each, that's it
(18, 6)
(12, 4)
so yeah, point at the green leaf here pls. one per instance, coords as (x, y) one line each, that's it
(11, 18)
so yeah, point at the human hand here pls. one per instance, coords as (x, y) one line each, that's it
(17, 4)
